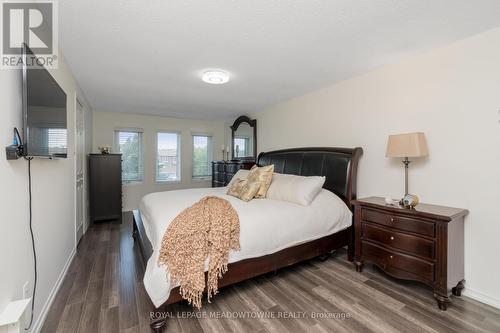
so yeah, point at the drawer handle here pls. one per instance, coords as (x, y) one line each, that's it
(392, 219)
(392, 237)
(390, 257)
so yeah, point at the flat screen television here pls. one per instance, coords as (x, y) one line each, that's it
(44, 112)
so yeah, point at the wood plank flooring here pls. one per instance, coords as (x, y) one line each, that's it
(103, 292)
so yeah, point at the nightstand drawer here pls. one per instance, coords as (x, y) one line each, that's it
(399, 222)
(412, 244)
(398, 264)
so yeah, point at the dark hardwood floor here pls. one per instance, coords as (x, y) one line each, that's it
(103, 292)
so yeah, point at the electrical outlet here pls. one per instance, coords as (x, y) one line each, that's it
(27, 290)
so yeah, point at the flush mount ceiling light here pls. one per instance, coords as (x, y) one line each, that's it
(215, 76)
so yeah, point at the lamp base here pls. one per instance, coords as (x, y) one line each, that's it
(406, 162)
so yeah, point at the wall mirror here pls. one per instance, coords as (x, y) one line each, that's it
(244, 139)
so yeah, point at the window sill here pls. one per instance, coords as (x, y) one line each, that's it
(133, 183)
(167, 182)
(201, 179)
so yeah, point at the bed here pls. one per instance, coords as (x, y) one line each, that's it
(296, 233)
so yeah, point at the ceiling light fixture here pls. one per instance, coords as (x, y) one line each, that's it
(215, 76)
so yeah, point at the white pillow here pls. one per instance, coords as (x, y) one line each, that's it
(241, 174)
(297, 189)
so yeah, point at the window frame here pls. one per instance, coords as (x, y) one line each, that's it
(179, 157)
(210, 155)
(116, 148)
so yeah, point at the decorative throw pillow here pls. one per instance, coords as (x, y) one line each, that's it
(244, 189)
(241, 174)
(264, 175)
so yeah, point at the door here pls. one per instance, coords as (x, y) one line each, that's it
(79, 160)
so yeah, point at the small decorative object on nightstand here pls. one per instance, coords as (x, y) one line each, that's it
(424, 244)
(409, 201)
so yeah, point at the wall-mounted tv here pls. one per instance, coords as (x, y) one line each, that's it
(44, 112)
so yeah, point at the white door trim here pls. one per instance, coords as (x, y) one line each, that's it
(79, 179)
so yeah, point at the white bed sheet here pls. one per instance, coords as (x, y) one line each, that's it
(266, 226)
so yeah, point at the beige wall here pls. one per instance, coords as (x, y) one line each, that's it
(104, 124)
(453, 95)
(53, 202)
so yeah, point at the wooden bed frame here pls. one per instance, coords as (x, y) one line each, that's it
(338, 165)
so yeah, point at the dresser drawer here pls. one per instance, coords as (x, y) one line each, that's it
(233, 168)
(219, 167)
(218, 176)
(398, 264)
(413, 244)
(399, 222)
(228, 177)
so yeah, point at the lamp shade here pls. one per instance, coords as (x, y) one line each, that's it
(407, 145)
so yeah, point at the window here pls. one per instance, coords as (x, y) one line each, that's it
(168, 160)
(202, 156)
(129, 144)
(57, 141)
(241, 147)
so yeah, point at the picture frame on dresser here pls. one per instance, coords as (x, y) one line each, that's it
(424, 244)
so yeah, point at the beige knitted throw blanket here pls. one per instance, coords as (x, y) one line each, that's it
(208, 229)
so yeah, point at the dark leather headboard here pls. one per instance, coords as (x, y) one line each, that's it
(338, 165)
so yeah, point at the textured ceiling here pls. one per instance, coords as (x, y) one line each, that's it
(147, 56)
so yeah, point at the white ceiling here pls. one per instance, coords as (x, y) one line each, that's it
(143, 56)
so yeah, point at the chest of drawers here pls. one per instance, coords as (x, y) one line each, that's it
(223, 171)
(105, 187)
(424, 244)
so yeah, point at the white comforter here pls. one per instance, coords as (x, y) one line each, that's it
(266, 226)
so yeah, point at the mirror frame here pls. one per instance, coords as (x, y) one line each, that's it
(234, 127)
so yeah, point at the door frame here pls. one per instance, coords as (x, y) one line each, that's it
(79, 229)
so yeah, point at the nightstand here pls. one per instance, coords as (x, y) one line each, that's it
(424, 244)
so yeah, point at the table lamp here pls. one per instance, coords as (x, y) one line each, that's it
(406, 146)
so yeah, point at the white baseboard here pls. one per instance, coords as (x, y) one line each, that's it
(480, 297)
(85, 227)
(45, 309)
(80, 231)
